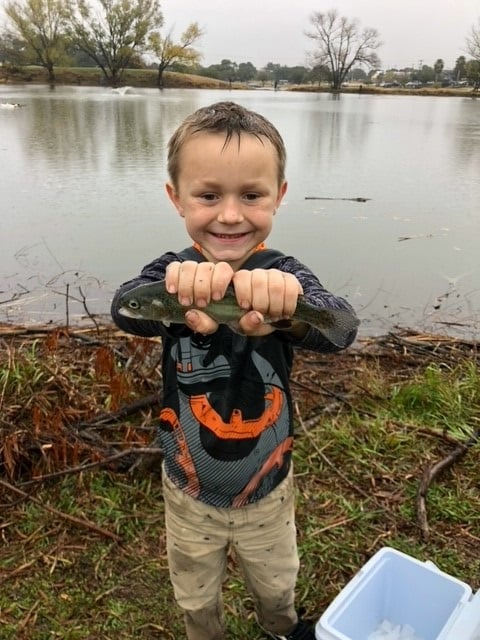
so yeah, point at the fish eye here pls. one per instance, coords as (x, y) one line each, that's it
(134, 304)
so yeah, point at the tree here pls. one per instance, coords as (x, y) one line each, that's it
(459, 71)
(473, 42)
(113, 32)
(472, 71)
(246, 71)
(38, 28)
(169, 52)
(341, 44)
(437, 69)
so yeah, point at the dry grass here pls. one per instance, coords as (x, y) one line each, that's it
(83, 554)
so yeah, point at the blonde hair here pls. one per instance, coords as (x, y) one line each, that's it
(229, 118)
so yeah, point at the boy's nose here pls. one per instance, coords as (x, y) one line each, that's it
(230, 211)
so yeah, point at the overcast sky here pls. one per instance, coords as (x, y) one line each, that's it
(262, 31)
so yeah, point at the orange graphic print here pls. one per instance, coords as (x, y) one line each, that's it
(184, 457)
(274, 460)
(237, 428)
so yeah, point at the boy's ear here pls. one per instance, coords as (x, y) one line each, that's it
(172, 194)
(281, 192)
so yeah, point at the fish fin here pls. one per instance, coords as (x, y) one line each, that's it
(337, 326)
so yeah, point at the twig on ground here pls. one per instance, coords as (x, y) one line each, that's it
(81, 522)
(326, 459)
(144, 451)
(123, 412)
(432, 472)
(87, 310)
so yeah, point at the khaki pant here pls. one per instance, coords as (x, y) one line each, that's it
(263, 536)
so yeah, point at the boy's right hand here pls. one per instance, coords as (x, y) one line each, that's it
(197, 284)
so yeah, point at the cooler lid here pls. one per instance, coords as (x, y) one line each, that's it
(467, 623)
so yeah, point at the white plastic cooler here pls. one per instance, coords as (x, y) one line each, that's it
(394, 586)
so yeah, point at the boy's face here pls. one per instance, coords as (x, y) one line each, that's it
(227, 195)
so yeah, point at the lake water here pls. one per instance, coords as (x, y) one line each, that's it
(83, 205)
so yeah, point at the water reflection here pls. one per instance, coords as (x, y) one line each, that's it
(121, 132)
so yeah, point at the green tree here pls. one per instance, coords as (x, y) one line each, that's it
(246, 71)
(438, 69)
(37, 28)
(320, 73)
(459, 70)
(472, 71)
(113, 32)
(341, 43)
(168, 52)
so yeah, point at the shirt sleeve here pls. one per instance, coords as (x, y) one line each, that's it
(317, 295)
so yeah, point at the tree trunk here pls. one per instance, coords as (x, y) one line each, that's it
(51, 74)
(160, 77)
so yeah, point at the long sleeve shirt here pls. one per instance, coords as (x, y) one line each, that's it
(226, 423)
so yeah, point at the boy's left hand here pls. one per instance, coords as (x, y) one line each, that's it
(265, 292)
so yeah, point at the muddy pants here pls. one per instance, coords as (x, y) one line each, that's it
(264, 539)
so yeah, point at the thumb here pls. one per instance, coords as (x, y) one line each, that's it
(200, 322)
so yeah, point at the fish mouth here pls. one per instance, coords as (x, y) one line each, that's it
(128, 313)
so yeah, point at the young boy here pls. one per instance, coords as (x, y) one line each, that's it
(226, 426)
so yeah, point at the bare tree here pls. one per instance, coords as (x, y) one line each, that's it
(38, 29)
(169, 52)
(113, 32)
(473, 42)
(341, 43)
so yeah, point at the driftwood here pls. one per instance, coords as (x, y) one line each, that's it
(358, 199)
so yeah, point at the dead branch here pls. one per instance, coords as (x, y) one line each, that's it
(144, 451)
(123, 412)
(431, 473)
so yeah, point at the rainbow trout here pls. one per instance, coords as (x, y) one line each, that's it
(151, 301)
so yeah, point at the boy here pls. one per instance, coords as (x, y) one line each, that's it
(226, 424)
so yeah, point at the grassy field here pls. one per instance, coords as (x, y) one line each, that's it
(90, 76)
(83, 543)
(87, 76)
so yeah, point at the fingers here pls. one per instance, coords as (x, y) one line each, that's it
(200, 322)
(264, 294)
(197, 283)
(252, 324)
(271, 292)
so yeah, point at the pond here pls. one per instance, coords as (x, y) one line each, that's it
(383, 199)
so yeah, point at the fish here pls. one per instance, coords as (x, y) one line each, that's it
(151, 301)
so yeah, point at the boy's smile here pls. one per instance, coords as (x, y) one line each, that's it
(227, 193)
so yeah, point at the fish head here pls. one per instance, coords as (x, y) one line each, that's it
(134, 305)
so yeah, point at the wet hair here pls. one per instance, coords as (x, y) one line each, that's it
(231, 119)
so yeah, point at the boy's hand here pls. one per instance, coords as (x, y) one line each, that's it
(268, 292)
(197, 284)
(261, 292)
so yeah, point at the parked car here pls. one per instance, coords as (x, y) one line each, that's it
(414, 84)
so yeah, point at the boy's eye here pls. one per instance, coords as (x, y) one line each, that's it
(251, 196)
(209, 196)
